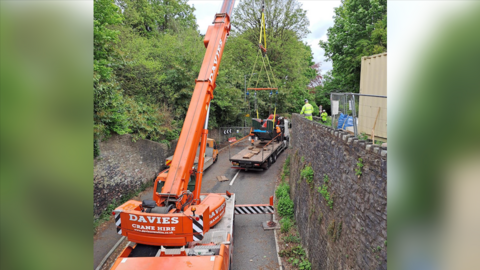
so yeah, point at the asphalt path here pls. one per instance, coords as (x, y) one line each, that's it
(253, 248)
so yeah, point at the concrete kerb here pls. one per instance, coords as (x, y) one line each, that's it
(110, 253)
(280, 266)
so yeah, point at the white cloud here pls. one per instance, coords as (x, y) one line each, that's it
(320, 14)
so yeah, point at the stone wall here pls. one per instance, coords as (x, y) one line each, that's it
(352, 235)
(123, 166)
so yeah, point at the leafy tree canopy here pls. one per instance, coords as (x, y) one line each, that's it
(147, 55)
(360, 29)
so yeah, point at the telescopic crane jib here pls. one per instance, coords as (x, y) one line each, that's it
(176, 203)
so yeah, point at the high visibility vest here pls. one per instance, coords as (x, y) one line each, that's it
(307, 109)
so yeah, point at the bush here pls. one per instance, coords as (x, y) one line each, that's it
(324, 191)
(287, 162)
(286, 166)
(285, 207)
(291, 238)
(307, 173)
(286, 224)
(283, 190)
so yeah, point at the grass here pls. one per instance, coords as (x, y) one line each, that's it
(285, 223)
(325, 193)
(358, 170)
(327, 123)
(307, 173)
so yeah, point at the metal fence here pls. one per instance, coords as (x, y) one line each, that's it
(361, 114)
(224, 133)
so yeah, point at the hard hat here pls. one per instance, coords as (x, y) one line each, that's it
(306, 100)
(323, 110)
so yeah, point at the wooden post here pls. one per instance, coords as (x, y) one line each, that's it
(374, 124)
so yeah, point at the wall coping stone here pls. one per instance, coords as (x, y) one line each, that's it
(349, 139)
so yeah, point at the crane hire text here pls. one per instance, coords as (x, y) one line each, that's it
(215, 60)
(157, 220)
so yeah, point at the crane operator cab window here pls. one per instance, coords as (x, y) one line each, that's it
(161, 183)
(191, 182)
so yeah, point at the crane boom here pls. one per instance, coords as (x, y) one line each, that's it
(196, 121)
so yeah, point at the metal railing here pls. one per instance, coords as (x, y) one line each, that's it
(361, 113)
(224, 133)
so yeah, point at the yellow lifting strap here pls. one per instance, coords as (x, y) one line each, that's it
(262, 27)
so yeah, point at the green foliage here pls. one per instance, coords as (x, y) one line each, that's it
(297, 257)
(302, 159)
(289, 57)
(286, 166)
(147, 55)
(331, 229)
(286, 224)
(285, 204)
(360, 29)
(358, 169)
(320, 217)
(283, 191)
(305, 264)
(363, 136)
(307, 173)
(108, 98)
(120, 52)
(379, 142)
(105, 13)
(96, 148)
(285, 207)
(339, 231)
(325, 193)
(291, 239)
(326, 123)
(148, 18)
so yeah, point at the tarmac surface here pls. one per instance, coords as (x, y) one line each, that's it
(254, 248)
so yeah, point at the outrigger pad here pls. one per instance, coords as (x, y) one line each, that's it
(148, 204)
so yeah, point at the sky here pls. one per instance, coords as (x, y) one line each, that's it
(319, 12)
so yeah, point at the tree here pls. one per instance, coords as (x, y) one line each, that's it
(360, 29)
(107, 99)
(317, 80)
(290, 59)
(281, 17)
(148, 17)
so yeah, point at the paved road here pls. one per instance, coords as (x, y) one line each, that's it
(251, 242)
(254, 248)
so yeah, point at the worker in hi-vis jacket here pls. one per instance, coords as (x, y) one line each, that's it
(324, 116)
(307, 110)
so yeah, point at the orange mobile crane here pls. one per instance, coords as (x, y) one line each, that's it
(182, 228)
